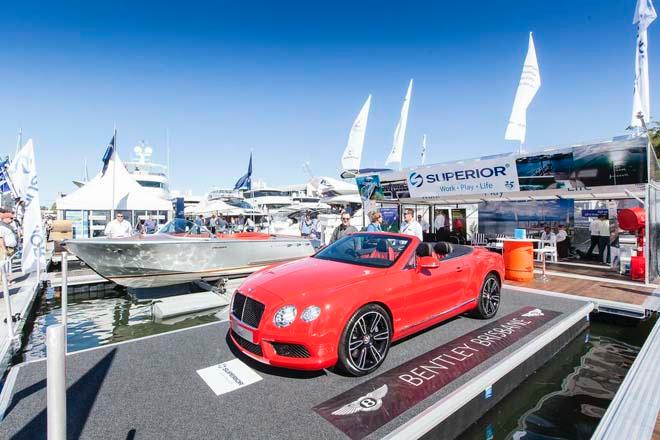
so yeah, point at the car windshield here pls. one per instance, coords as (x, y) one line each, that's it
(374, 250)
(182, 226)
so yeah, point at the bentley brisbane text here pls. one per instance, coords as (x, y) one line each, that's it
(345, 305)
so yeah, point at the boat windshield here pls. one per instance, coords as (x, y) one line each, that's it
(374, 250)
(182, 226)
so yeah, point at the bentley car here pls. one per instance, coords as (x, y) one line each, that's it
(346, 304)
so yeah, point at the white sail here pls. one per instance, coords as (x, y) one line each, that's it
(644, 15)
(353, 152)
(424, 150)
(530, 82)
(397, 148)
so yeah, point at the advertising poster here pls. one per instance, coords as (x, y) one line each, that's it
(390, 219)
(545, 171)
(533, 215)
(619, 163)
(472, 177)
(395, 190)
(369, 187)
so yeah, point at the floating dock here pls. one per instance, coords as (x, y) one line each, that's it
(163, 385)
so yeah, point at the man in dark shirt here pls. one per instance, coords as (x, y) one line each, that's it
(344, 228)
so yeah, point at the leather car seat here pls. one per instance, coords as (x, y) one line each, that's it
(441, 249)
(424, 250)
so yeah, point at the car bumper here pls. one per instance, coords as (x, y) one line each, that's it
(299, 353)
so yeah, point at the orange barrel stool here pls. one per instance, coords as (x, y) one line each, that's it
(518, 260)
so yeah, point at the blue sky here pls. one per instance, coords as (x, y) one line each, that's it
(286, 80)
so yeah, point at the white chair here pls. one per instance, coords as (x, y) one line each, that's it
(479, 239)
(543, 254)
(547, 247)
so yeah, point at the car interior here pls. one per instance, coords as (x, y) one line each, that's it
(442, 250)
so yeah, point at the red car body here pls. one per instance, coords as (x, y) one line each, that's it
(414, 297)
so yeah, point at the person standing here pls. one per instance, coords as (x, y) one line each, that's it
(376, 222)
(594, 231)
(199, 220)
(563, 242)
(8, 235)
(213, 222)
(150, 225)
(425, 225)
(140, 228)
(221, 224)
(410, 226)
(440, 225)
(603, 239)
(306, 225)
(118, 228)
(344, 228)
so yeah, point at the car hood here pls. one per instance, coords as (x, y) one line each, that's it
(309, 279)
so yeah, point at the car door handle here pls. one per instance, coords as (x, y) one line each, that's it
(459, 269)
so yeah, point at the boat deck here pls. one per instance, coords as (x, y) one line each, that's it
(150, 388)
(598, 284)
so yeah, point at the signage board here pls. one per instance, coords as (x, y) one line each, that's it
(228, 376)
(366, 407)
(595, 212)
(471, 177)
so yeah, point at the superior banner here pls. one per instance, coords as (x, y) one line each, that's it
(370, 405)
(473, 177)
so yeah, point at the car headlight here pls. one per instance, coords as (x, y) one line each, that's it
(310, 313)
(285, 316)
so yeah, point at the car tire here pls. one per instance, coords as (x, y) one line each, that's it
(488, 302)
(365, 341)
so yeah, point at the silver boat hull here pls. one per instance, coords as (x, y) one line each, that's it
(155, 261)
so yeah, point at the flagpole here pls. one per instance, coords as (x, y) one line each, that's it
(113, 157)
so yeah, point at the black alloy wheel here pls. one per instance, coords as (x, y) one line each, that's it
(489, 298)
(365, 341)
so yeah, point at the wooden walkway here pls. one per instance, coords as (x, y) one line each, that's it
(599, 284)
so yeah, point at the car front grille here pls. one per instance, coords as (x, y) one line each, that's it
(291, 350)
(249, 346)
(247, 310)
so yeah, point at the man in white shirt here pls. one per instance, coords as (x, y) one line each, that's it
(440, 226)
(548, 235)
(603, 238)
(594, 231)
(410, 226)
(7, 233)
(118, 228)
(563, 243)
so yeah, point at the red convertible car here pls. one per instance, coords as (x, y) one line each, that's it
(346, 304)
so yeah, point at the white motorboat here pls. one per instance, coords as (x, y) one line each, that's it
(181, 252)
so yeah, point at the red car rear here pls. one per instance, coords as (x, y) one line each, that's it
(345, 305)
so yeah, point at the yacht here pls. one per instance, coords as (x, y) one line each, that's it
(267, 199)
(149, 175)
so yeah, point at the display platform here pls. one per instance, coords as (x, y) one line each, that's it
(186, 384)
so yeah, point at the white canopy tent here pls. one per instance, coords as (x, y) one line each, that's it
(98, 194)
(93, 205)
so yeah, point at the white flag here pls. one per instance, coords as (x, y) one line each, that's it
(353, 152)
(23, 172)
(424, 150)
(396, 154)
(644, 16)
(530, 82)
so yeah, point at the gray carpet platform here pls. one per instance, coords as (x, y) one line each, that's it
(149, 388)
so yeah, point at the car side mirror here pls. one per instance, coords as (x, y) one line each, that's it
(427, 262)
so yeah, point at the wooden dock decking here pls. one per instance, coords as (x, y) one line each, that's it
(597, 283)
